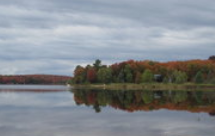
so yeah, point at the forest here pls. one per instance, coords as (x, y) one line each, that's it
(131, 71)
(33, 79)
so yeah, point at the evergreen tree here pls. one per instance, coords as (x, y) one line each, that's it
(147, 76)
(179, 77)
(128, 74)
(121, 76)
(166, 80)
(199, 77)
(138, 78)
(211, 57)
(104, 75)
(97, 64)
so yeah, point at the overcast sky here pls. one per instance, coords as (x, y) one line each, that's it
(53, 36)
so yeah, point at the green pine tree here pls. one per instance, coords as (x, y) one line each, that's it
(147, 76)
(199, 78)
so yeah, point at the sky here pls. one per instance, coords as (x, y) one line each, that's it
(54, 36)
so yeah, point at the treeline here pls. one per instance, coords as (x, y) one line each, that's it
(197, 71)
(34, 79)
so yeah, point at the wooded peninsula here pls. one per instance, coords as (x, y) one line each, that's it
(190, 72)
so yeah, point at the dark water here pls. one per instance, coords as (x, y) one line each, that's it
(58, 111)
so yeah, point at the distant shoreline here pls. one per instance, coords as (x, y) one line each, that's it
(34, 79)
(151, 86)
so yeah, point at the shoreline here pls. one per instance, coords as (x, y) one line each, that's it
(151, 86)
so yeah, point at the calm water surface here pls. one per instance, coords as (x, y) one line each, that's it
(59, 111)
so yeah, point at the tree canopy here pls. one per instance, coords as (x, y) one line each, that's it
(145, 71)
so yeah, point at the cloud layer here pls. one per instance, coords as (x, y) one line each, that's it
(52, 36)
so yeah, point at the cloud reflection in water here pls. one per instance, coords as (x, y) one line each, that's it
(55, 114)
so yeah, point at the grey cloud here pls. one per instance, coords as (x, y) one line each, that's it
(70, 32)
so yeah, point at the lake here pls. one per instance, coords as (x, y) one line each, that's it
(43, 110)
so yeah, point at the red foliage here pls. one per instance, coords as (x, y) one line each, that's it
(34, 79)
(165, 69)
(91, 75)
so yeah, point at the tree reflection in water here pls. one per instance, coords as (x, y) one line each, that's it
(131, 101)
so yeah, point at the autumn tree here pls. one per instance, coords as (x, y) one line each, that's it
(91, 75)
(79, 75)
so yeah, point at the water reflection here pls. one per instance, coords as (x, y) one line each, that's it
(32, 113)
(33, 96)
(192, 101)
(33, 88)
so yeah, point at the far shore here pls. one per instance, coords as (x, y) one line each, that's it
(150, 86)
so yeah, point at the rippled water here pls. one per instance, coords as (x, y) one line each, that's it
(53, 111)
